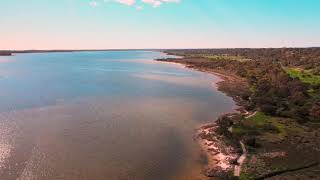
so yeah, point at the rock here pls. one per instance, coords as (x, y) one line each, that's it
(306, 141)
(219, 174)
(234, 162)
(210, 173)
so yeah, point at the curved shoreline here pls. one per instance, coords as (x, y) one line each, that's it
(224, 160)
(279, 130)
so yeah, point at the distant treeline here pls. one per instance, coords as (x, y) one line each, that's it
(306, 58)
(272, 89)
(5, 53)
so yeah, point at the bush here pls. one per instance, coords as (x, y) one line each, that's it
(268, 109)
(315, 112)
(251, 141)
(270, 128)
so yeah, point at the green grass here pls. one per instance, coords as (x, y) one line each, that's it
(267, 127)
(252, 125)
(272, 128)
(245, 176)
(244, 130)
(303, 75)
(259, 119)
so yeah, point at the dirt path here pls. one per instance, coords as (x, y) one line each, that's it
(242, 158)
(251, 115)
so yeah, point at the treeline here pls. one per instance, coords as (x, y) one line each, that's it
(305, 58)
(272, 90)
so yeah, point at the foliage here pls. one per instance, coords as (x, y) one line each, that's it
(305, 58)
(226, 57)
(258, 124)
(245, 176)
(304, 76)
(274, 90)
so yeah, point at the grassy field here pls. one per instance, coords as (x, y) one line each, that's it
(257, 124)
(266, 127)
(304, 76)
(280, 141)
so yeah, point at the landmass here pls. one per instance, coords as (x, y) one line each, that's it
(11, 52)
(276, 134)
(5, 53)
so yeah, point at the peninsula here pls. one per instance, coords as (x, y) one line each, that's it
(278, 91)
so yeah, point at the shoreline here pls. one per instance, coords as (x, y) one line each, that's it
(11, 52)
(254, 143)
(224, 154)
(5, 53)
(228, 79)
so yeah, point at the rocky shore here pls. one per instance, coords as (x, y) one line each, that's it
(223, 151)
(222, 156)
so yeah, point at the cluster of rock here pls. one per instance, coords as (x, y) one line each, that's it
(221, 150)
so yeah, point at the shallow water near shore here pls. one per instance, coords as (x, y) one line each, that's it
(102, 115)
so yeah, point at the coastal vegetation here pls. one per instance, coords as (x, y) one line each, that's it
(304, 75)
(275, 87)
(280, 88)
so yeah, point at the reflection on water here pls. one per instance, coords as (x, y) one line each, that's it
(64, 116)
(175, 79)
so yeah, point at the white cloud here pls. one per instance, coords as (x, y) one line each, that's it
(126, 2)
(157, 3)
(93, 3)
(153, 3)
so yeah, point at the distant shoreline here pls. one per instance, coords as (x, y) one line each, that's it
(5, 53)
(11, 52)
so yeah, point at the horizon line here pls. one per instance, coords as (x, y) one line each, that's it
(137, 49)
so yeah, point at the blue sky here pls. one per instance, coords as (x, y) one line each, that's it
(104, 24)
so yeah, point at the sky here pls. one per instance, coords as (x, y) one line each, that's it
(139, 24)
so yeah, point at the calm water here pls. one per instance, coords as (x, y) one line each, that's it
(102, 115)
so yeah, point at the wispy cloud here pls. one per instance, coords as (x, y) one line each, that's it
(157, 3)
(139, 3)
(139, 8)
(93, 3)
(126, 2)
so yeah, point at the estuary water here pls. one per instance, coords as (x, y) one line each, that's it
(102, 115)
